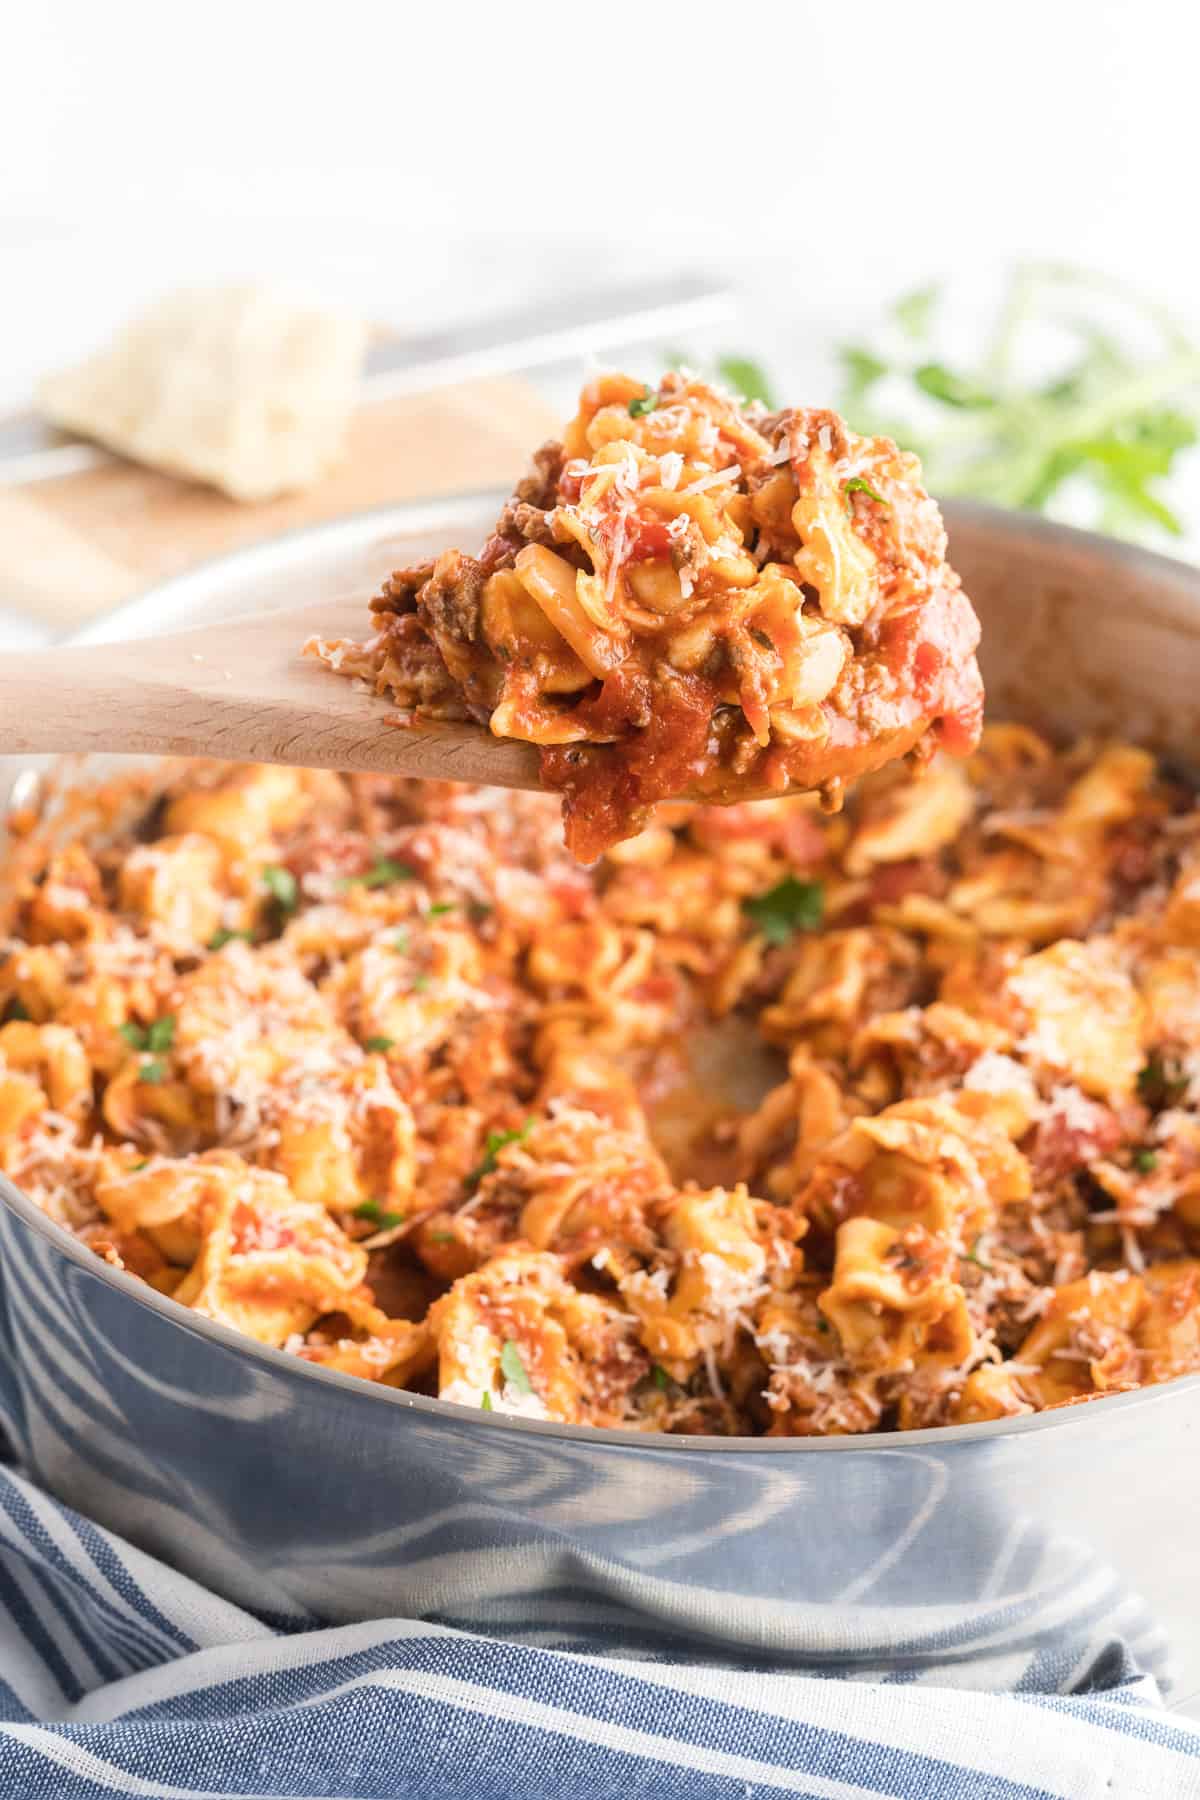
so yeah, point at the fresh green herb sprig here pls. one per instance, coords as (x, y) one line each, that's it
(513, 1369)
(746, 377)
(282, 886)
(150, 1041)
(1096, 435)
(788, 907)
(224, 935)
(493, 1144)
(857, 485)
(741, 374)
(972, 1256)
(382, 872)
(375, 1214)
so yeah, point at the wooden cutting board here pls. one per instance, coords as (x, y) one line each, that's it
(75, 547)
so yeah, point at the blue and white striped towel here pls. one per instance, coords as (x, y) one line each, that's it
(119, 1676)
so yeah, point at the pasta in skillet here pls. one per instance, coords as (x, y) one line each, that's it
(375, 1073)
(688, 598)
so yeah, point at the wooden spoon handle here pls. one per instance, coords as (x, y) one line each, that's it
(151, 697)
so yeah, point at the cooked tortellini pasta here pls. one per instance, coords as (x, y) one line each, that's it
(776, 1122)
(691, 596)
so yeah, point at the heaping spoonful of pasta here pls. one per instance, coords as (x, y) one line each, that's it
(685, 598)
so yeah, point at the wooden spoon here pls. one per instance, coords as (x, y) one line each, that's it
(238, 689)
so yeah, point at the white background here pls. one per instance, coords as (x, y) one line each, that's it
(429, 162)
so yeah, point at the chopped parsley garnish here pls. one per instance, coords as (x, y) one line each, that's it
(662, 1380)
(788, 907)
(14, 1011)
(139, 1166)
(492, 1146)
(486, 1402)
(400, 942)
(382, 872)
(378, 1215)
(513, 1369)
(280, 883)
(1161, 1082)
(856, 485)
(159, 1035)
(420, 983)
(442, 1237)
(822, 1323)
(972, 1256)
(224, 936)
(152, 1071)
(439, 908)
(746, 377)
(643, 403)
(1145, 1161)
(379, 1046)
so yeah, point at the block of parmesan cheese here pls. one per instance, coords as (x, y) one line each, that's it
(240, 387)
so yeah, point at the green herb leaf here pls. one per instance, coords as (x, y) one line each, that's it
(400, 942)
(379, 1045)
(913, 312)
(139, 1166)
(861, 369)
(941, 383)
(745, 377)
(492, 1146)
(1145, 1161)
(382, 872)
(513, 1369)
(1098, 435)
(439, 909)
(442, 1237)
(972, 1256)
(822, 1322)
(15, 1012)
(378, 1215)
(789, 907)
(152, 1071)
(224, 936)
(643, 403)
(856, 485)
(280, 883)
(486, 1402)
(420, 983)
(662, 1380)
(159, 1035)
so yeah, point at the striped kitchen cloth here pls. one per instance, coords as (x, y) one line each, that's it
(119, 1676)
